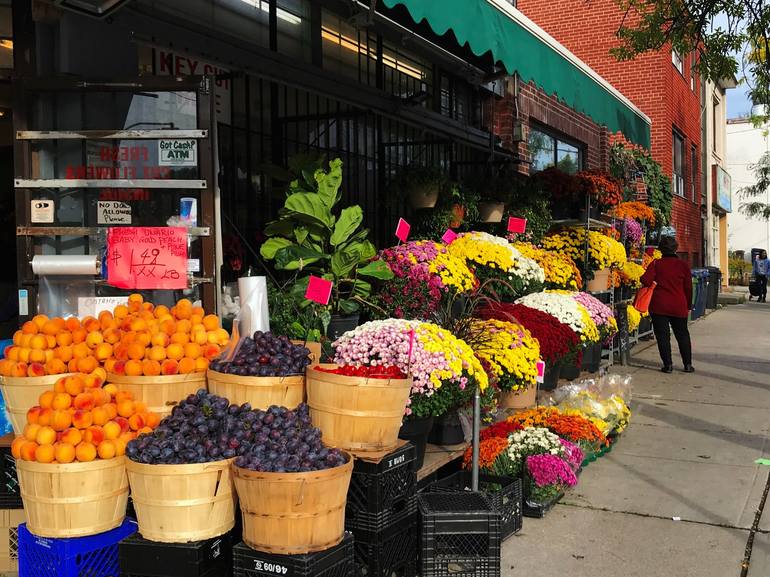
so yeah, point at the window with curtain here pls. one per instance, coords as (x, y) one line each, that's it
(547, 150)
(694, 173)
(677, 178)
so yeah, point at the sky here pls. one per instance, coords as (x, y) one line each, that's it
(738, 103)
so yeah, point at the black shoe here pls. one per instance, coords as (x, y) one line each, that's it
(667, 369)
(689, 369)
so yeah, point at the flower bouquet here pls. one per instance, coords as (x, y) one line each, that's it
(424, 273)
(570, 425)
(600, 313)
(510, 352)
(506, 456)
(634, 318)
(566, 310)
(632, 231)
(546, 477)
(495, 260)
(444, 368)
(560, 270)
(609, 414)
(603, 251)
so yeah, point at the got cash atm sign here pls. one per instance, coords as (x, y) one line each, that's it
(178, 152)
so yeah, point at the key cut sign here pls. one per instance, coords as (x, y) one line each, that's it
(147, 257)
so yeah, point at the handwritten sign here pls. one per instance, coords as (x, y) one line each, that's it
(92, 306)
(402, 230)
(319, 290)
(147, 257)
(517, 224)
(540, 371)
(113, 212)
(449, 236)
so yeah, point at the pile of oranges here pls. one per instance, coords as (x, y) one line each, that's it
(157, 340)
(46, 346)
(135, 339)
(79, 420)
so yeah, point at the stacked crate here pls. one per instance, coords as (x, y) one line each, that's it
(140, 557)
(381, 513)
(336, 561)
(11, 509)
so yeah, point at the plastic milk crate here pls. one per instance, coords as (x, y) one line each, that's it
(94, 556)
(459, 535)
(382, 494)
(209, 558)
(10, 497)
(388, 553)
(334, 562)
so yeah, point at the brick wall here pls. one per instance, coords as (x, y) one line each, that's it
(650, 81)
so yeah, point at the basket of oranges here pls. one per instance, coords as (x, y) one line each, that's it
(70, 459)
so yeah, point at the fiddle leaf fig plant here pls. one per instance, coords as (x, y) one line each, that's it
(311, 237)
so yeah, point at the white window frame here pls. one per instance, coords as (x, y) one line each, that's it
(676, 60)
(677, 178)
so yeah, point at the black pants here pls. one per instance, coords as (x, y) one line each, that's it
(660, 324)
(762, 282)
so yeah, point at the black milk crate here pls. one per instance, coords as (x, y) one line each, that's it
(208, 558)
(335, 562)
(388, 553)
(382, 494)
(10, 497)
(538, 511)
(505, 494)
(459, 535)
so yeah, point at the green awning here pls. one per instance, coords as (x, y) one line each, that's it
(485, 27)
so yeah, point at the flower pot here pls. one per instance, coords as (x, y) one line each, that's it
(425, 196)
(458, 215)
(518, 399)
(551, 377)
(340, 324)
(447, 430)
(491, 211)
(416, 431)
(600, 282)
(593, 213)
(592, 357)
(569, 372)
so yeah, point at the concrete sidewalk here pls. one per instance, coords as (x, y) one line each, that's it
(689, 453)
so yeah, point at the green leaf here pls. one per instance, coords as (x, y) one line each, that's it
(309, 207)
(349, 220)
(273, 245)
(376, 269)
(296, 257)
(282, 227)
(299, 288)
(367, 250)
(345, 260)
(329, 183)
(361, 288)
(300, 233)
(348, 306)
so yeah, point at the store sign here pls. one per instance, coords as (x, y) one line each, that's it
(93, 306)
(147, 257)
(172, 64)
(177, 152)
(113, 212)
(41, 211)
(723, 184)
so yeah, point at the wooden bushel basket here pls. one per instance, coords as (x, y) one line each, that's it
(22, 393)
(161, 393)
(357, 413)
(261, 392)
(518, 400)
(75, 499)
(182, 503)
(293, 513)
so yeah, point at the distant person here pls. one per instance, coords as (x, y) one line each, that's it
(670, 304)
(761, 270)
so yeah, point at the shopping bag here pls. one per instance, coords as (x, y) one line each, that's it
(643, 298)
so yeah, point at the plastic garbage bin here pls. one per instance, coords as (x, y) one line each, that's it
(715, 283)
(700, 278)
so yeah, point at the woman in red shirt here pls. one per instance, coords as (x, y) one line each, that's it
(671, 302)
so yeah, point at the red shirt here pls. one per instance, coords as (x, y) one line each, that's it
(673, 293)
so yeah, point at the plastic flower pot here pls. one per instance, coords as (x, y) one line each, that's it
(340, 324)
(425, 196)
(569, 372)
(551, 377)
(518, 399)
(447, 430)
(416, 431)
(491, 211)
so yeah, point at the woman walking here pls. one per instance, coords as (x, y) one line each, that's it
(670, 304)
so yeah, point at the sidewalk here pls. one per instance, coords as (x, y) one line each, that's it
(688, 453)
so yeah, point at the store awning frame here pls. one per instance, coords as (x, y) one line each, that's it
(522, 47)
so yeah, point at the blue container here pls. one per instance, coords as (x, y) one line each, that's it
(700, 281)
(92, 556)
(4, 343)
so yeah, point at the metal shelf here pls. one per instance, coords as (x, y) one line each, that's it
(109, 134)
(590, 223)
(87, 230)
(108, 183)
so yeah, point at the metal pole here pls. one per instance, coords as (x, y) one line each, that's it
(475, 440)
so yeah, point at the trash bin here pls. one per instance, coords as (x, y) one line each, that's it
(700, 279)
(715, 283)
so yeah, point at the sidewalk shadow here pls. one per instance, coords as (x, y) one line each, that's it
(763, 385)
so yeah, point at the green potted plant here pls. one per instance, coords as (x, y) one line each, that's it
(312, 237)
(421, 185)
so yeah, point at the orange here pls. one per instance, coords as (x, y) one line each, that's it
(27, 451)
(111, 430)
(106, 450)
(61, 420)
(45, 436)
(46, 399)
(85, 452)
(45, 453)
(72, 436)
(126, 408)
(61, 401)
(133, 368)
(64, 452)
(16, 446)
(150, 368)
(186, 365)
(175, 351)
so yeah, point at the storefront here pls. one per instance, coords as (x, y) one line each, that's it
(234, 88)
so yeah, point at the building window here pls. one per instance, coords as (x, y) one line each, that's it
(677, 179)
(693, 70)
(547, 151)
(694, 173)
(676, 60)
(715, 125)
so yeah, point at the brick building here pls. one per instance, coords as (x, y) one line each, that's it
(663, 85)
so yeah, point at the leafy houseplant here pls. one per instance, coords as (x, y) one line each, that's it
(420, 184)
(311, 237)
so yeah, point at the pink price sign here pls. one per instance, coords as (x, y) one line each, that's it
(449, 236)
(402, 230)
(319, 290)
(147, 258)
(540, 371)
(517, 225)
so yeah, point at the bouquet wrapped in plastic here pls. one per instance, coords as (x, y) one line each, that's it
(603, 401)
